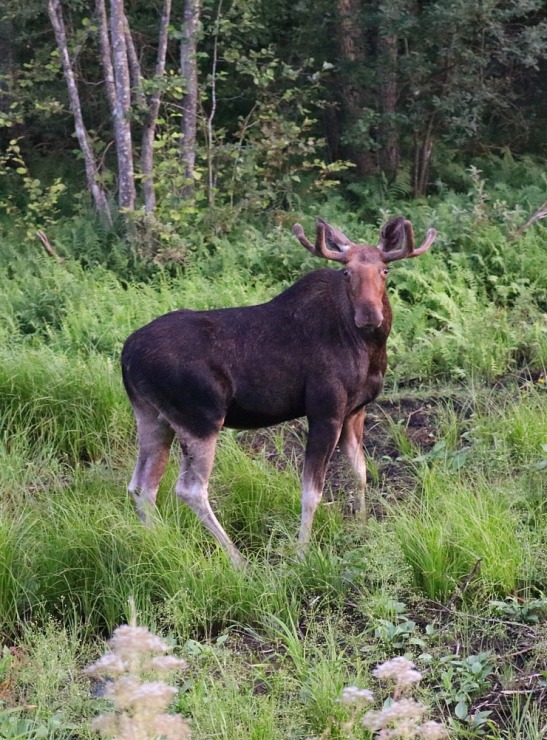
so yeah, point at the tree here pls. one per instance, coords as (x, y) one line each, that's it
(123, 82)
(92, 173)
(388, 53)
(189, 73)
(355, 96)
(458, 66)
(117, 59)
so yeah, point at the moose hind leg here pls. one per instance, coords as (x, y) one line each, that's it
(351, 444)
(155, 438)
(192, 488)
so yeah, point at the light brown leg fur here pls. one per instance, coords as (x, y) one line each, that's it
(192, 488)
(155, 438)
(351, 444)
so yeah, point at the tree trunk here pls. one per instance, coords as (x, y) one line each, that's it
(189, 73)
(390, 155)
(353, 96)
(106, 54)
(149, 130)
(122, 127)
(7, 63)
(135, 73)
(423, 149)
(92, 174)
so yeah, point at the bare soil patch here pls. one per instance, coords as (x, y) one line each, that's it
(390, 471)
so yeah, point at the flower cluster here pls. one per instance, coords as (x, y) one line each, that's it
(135, 664)
(400, 670)
(401, 717)
(353, 695)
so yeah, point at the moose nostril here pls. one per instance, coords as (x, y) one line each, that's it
(370, 319)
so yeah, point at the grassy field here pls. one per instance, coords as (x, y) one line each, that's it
(450, 570)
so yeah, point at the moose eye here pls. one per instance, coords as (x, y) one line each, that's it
(346, 273)
(386, 271)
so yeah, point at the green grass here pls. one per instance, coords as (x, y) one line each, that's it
(451, 528)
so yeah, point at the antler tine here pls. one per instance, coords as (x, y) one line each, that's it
(321, 244)
(428, 241)
(409, 238)
(298, 231)
(408, 250)
(319, 249)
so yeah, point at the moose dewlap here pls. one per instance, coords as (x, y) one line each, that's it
(317, 350)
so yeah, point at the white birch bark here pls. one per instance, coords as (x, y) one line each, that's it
(106, 54)
(134, 67)
(122, 108)
(189, 73)
(55, 13)
(149, 129)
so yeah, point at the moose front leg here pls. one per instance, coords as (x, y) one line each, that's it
(323, 436)
(351, 445)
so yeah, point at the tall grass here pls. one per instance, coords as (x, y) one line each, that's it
(452, 527)
(291, 632)
(72, 406)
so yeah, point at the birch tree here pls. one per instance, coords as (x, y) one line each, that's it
(189, 73)
(153, 108)
(124, 86)
(122, 107)
(55, 13)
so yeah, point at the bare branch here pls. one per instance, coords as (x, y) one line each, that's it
(538, 215)
(47, 246)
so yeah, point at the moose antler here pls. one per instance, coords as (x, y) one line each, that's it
(408, 250)
(320, 249)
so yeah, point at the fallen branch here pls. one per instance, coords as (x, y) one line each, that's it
(47, 246)
(538, 215)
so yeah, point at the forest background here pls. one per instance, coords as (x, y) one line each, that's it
(156, 155)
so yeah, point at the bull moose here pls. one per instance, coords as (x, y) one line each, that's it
(317, 350)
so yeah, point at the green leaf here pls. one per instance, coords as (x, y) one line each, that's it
(461, 710)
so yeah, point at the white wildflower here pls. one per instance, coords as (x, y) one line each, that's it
(403, 715)
(139, 705)
(128, 640)
(171, 727)
(395, 668)
(167, 663)
(371, 720)
(433, 731)
(402, 710)
(400, 670)
(355, 695)
(122, 690)
(106, 724)
(109, 665)
(153, 695)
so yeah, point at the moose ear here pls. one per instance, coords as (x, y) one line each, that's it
(335, 238)
(392, 234)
